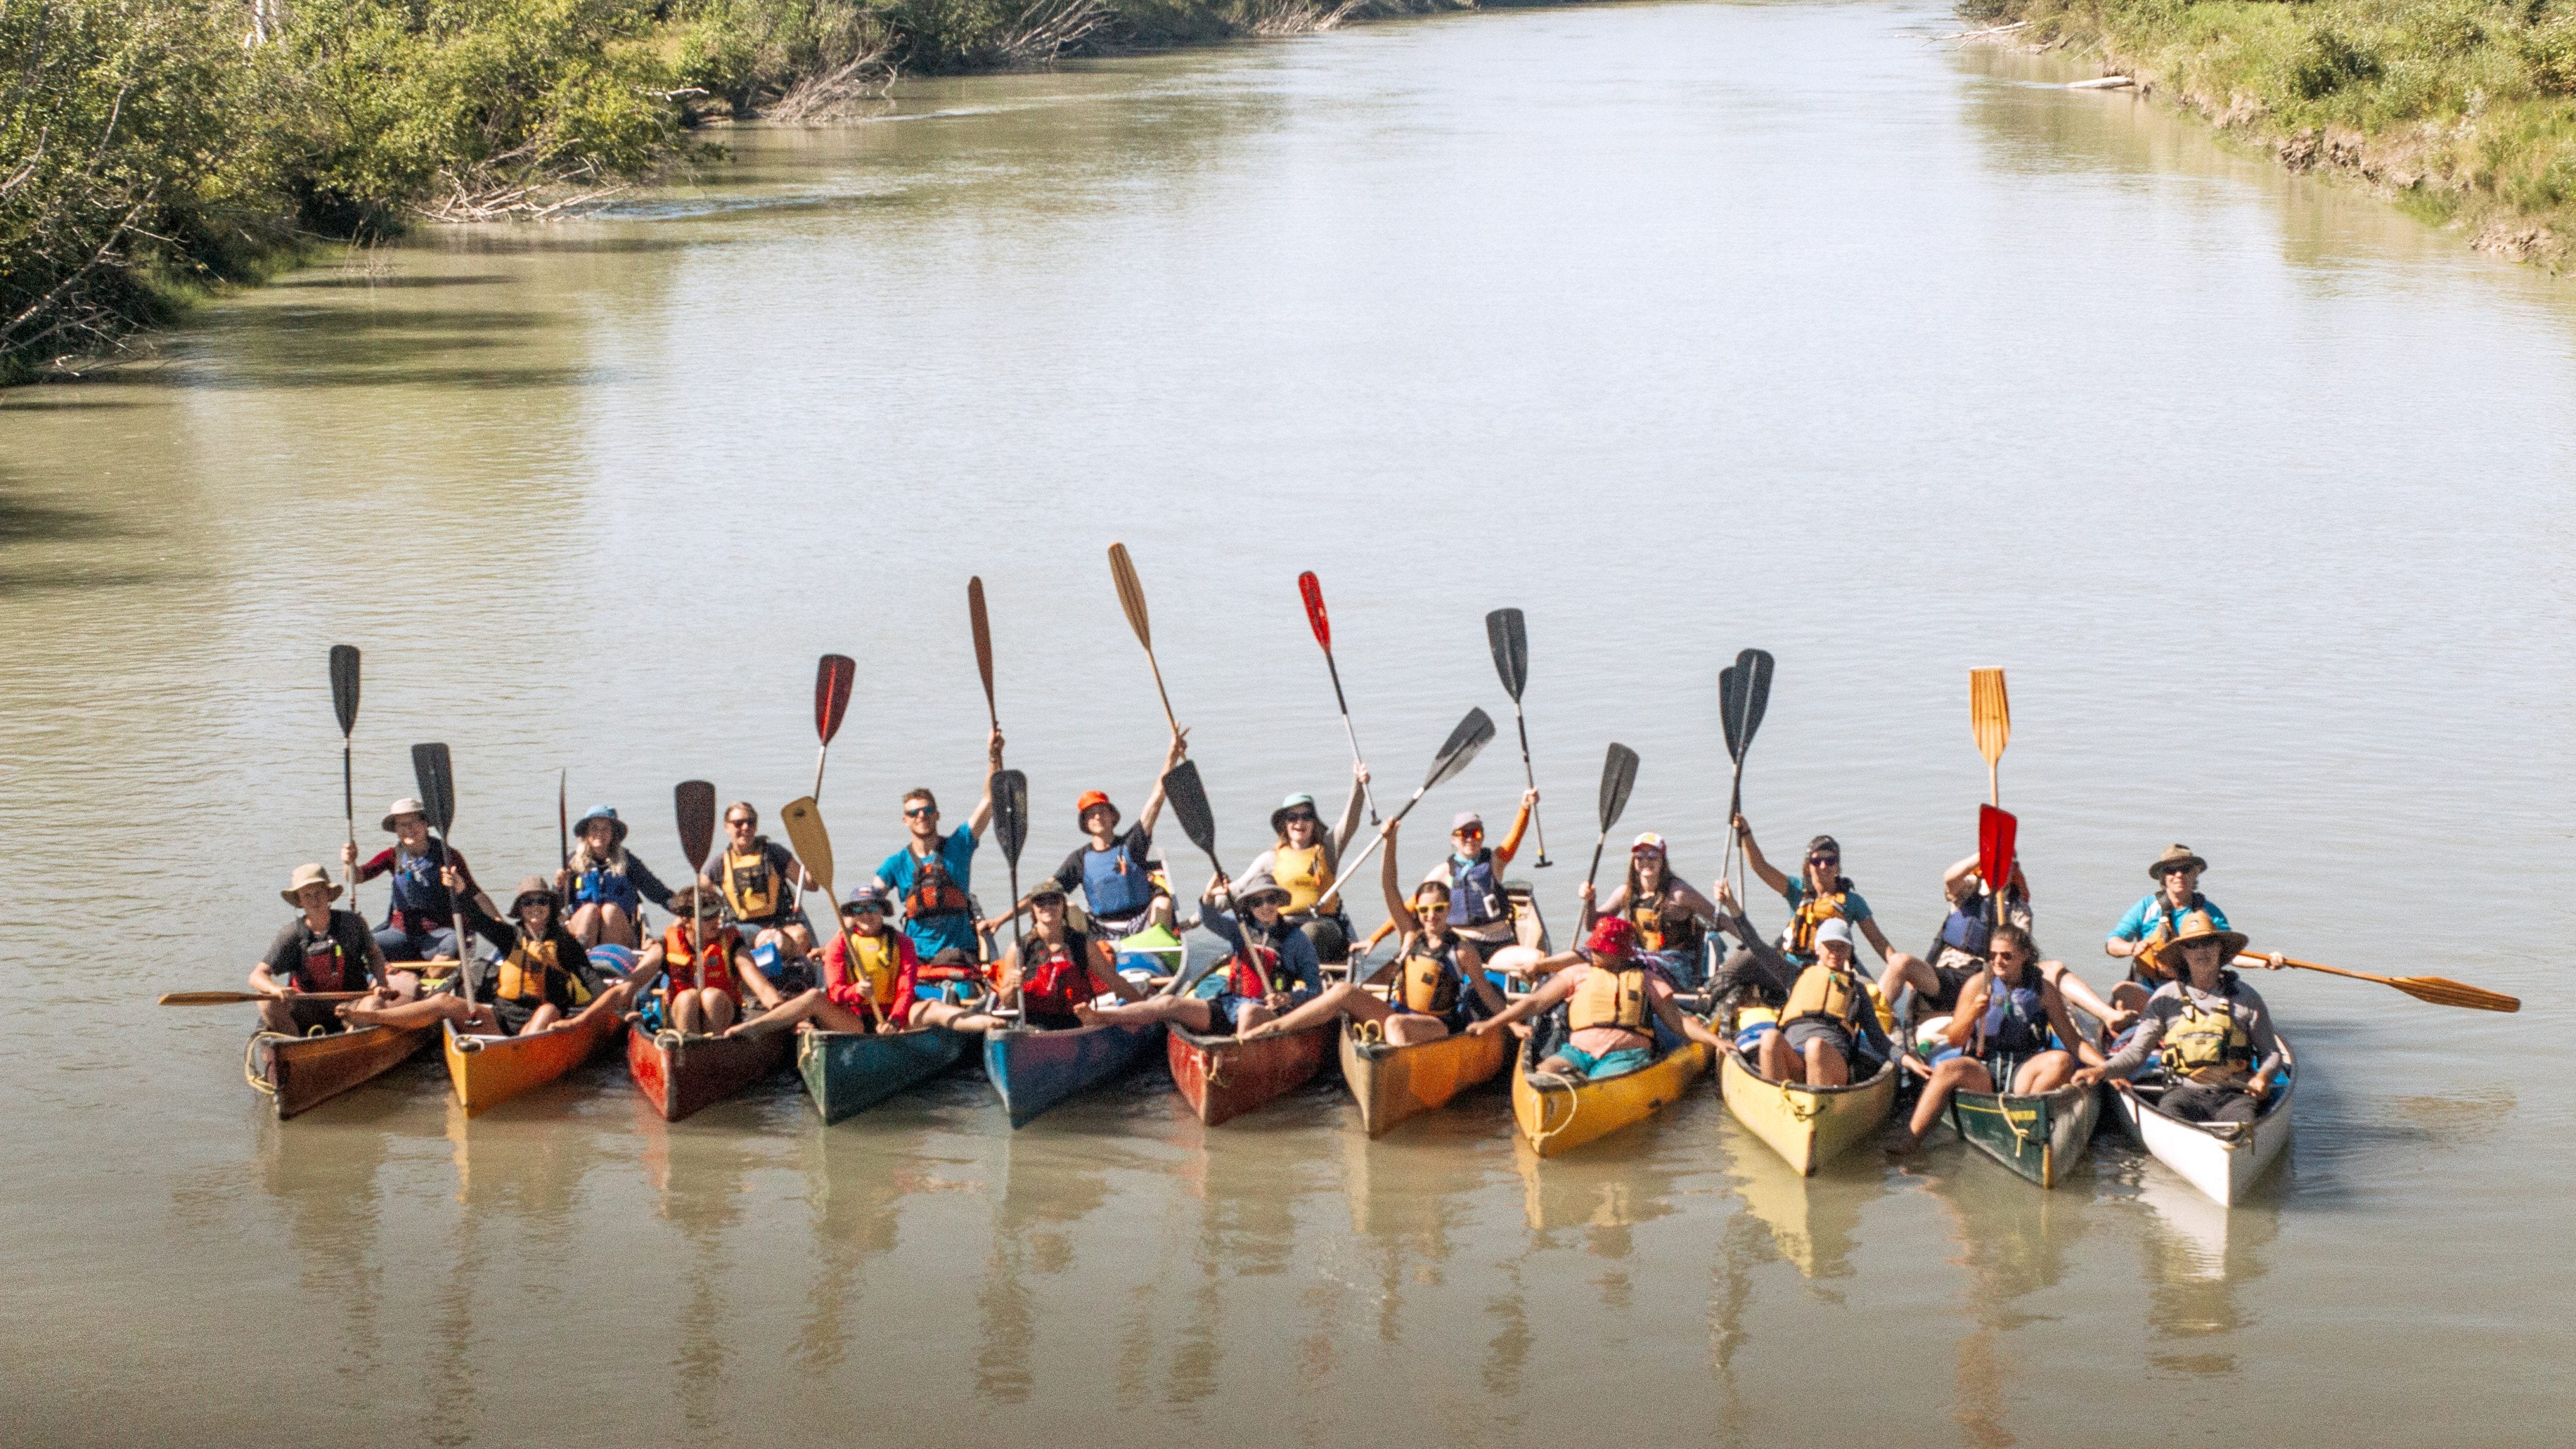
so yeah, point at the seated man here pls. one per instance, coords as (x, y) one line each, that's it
(321, 950)
(2152, 922)
(2209, 1031)
(1615, 999)
(420, 923)
(1829, 1011)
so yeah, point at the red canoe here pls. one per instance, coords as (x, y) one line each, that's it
(1223, 1077)
(680, 1074)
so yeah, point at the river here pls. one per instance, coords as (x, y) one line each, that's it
(1681, 327)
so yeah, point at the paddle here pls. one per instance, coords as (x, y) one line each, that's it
(1618, 777)
(436, 780)
(695, 803)
(563, 816)
(1472, 734)
(235, 998)
(1996, 830)
(1187, 796)
(813, 846)
(1312, 592)
(1010, 792)
(983, 626)
(833, 674)
(1743, 693)
(1131, 597)
(1508, 633)
(344, 703)
(2435, 989)
(1991, 712)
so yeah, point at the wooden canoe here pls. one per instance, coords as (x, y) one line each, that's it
(680, 1074)
(1223, 1078)
(298, 1073)
(2041, 1137)
(1559, 1119)
(1034, 1070)
(1392, 1083)
(490, 1070)
(1807, 1126)
(850, 1071)
(2223, 1160)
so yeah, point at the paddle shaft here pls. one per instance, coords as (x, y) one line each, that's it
(1349, 729)
(1352, 866)
(1530, 776)
(2448, 993)
(349, 808)
(236, 998)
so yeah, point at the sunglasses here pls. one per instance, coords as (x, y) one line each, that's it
(1469, 832)
(1824, 860)
(917, 811)
(1301, 817)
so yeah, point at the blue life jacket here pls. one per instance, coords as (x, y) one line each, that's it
(2016, 1022)
(1967, 930)
(418, 894)
(1114, 885)
(600, 886)
(1475, 894)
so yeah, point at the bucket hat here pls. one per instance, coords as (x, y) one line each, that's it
(306, 875)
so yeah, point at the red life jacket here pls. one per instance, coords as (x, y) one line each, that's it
(326, 966)
(1060, 981)
(1246, 978)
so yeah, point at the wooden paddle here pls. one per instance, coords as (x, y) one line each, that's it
(235, 998)
(563, 816)
(983, 626)
(1472, 734)
(1996, 834)
(2435, 989)
(344, 703)
(1508, 633)
(1743, 694)
(695, 803)
(1010, 792)
(812, 843)
(436, 779)
(1312, 591)
(1131, 597)
(1618, 777)
(1186, 794)
(1992, 714)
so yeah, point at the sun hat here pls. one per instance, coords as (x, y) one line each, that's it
(1612, 936)
(869, 895)
(1648, 841)
(306, 875)
(535, 887)
(404, 806)
(1279, 817)
(1836, 929)
(1255, 885)
(2197, 927)
(2176, 857)
(616, 837)
(1091, 800)
(1048, 888)
(706, 904)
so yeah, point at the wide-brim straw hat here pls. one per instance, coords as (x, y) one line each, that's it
(2176, 857)
(306, 875)
(1255, 885)
(2198, 927)
(404, 806)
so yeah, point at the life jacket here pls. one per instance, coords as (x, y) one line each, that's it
(1824, 994)
(682, 962)
(1428, 982)
(873, 964)
(1303, 874)
(751, 885)
(1262, 976)
(1059, 981)
(1475, 892)
(1114, 883)
(934, 894)
(603, 885)
(1611, 999)
(1814, 909)
(421, 899)
(1666, 935)
(326, 964)
(2016, 1020)
(2206, 1045)
(526, 971)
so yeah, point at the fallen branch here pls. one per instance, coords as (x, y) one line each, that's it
(1989, 30)
(2103, 83)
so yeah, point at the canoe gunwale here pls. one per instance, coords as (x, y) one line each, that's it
(1738, 1076)
(1272, 1070)
(466, 1052)
(2071, 1112)
(913, 1056)
(2223, 1169)
(1675, 1069)
(1001, 1042)
(1375, 1071)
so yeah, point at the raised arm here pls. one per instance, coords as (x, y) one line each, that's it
(1768, 873)
(1959, 870)
(1684, 1024)
(1511, 845)
(983, 815)
(1399, 911)
(1349, 824)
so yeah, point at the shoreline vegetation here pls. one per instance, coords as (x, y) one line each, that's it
(2460, 112)
(155, 151)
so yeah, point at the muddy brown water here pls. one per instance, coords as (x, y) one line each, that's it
(1681, 327)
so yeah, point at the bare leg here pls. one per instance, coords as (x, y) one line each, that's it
(1411, 1028)
(617, 927)
(2082, 998)
(717, 1008)
(1825, 1066)
(953, 1016)
(584, 924)
(1250, 1015)
(1949, 1077)
(541, 1019)
(1778, 1063)
(2044, 1073)
(811, 1006)
(1339, 999)
(2127, 999)
(1515, 962)
(1189, 1011)
(1912, 971)
(424, 1011)
(277, 1016)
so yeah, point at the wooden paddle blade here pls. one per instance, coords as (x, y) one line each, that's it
(982, 624)
(1508, 633)
(833, 675)
(1730, 709)
(1990, 711)
(344, 685)
(1183, 791)
(1754, 666)
(1311, 590)
(1472, 734)
(803, 822)
(695, 803)
(1010, 814)
(1131, 593)
(1997, 831)
(2443, 992)
(437, 784)
(1618, 777)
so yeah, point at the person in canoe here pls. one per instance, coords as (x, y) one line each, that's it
(760, 879)
(543, 979)
(1275, 971)
(932, 876)
(420, 921)
(1614, 995)
(2153, 921)
(1124, 889)
(1056, 969)
(1672, 920)
(1479, 911)
(1304, 857)
(2006, 1034)
(605, 886)
(322, 950)
(1820, 893)
(1828, 1019)
(1438, 985)
(2208, 1030)
(685, 1006)
(870, 971)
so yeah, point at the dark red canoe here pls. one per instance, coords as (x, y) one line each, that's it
(680, 1074)
(1224, 1078)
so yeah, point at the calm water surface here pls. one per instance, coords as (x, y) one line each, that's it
(1681, 327)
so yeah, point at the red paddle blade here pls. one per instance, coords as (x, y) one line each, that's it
(1996, 830)
(1313, 592)
(832, 677)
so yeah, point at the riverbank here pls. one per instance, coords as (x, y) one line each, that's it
(2461, 113)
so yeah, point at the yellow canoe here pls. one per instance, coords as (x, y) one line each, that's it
(1560, 1119)
(1807, 1126)
(1392, 1083)
(490, 1070)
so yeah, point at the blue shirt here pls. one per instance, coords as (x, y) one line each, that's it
(2150, 910)
(932, 934)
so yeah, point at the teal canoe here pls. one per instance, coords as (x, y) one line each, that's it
(2040, 1137)
(850, 1071)
(1034, 1070)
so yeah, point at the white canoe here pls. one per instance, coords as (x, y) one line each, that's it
(2223, 1160)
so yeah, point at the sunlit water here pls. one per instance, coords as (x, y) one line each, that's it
(1683, 328)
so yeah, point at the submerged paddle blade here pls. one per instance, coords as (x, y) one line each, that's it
(1183, 791)
(1131, 594)
(1618, 777)
(1996, 831)
(1753, 675)
(1311, 590)
(1010, 814)
(437, 782)
(1472, 734)
(695, 803)
(1990, 711)
(803, 821)
(833, 674)
(1508, 633)
(344, 685)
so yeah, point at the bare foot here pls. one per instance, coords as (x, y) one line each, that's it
(1087, 1014)
(1256, 1033)
(1902, 1143)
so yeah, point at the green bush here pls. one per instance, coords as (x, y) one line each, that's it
(2328, 62)
(2549, 56)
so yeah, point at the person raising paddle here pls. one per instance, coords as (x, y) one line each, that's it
(1821, 893)
(1479, 911)
(543, 980)
(419, 920)
(685, 1006)
(1123, 886)
(321, 950)
(1274, 971)
(1439, 984)
(1671, 920)
(1305, 858)
(1056, 969)
(932, 875)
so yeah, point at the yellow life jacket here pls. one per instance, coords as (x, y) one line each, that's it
(874, 966)
(525, 972)
(1303, 874)
(751, 884)
(1648, 917)
(1611, 998)
(1824, 994)
(1813, 911)
(1429, 982)
(2204, 1045)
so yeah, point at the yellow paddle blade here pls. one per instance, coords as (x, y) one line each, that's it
(1131, 594)
(807, 837)
(1991, 711)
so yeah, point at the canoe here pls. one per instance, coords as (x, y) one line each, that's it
(1034, 1070)
(1807, 1126)
(1559, 1119)
(2223, 1160)
(1223, 1078)
(490, 1070)
(298, 1073)
(1152, 949)
(1392, 1082)
(2041, 1137)
(849, 1071)
(680, 1074)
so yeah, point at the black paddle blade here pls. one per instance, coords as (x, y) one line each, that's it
(1509, 634)
(430, 767)
(1472, 734)
(344, 685)
(1188, 799)
(832, 676)
(1730, 709)
(695, 802)
(1010, 814)
(1753, 672)
(1618, 777)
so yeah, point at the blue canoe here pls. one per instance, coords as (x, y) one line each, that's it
(1034, 1070)
(850, 1071)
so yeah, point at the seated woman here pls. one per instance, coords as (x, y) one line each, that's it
(604, 885)
(2209, 1031)
(1672, 920)
(1999, 1037)
(690, 1007)
(322, 950)
(1439, 983)
(1305, 858)
(544, 979)
(1055, 969)
(1829, 1013)
(1274, 971)
(1614, 998)
(870, 972)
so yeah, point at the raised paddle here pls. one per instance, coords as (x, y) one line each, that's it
(1312, 591)
(1743, 693)
(833, 675)
(1472, 734)
(1010, 792)
(813, 846)
(1996, 830)
(983, 626)
(436, 780)
(1991, 712)
(563, 816)
(1618, 777)
(1131, 597)
(694, 801)
(344, 703)
(1508, 633)
(2435, 989)
(1187, 795)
